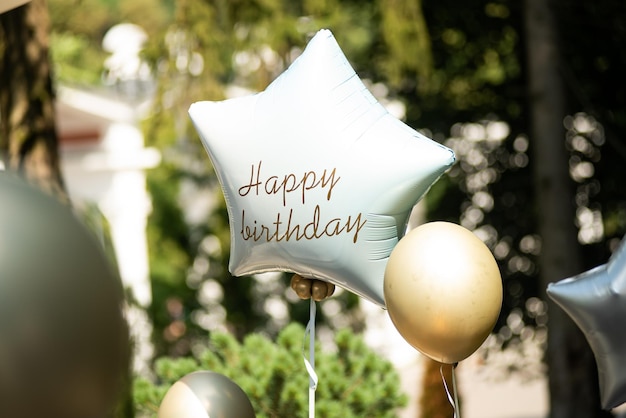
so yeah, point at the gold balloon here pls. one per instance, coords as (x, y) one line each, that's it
(205, 394)
(443, 291)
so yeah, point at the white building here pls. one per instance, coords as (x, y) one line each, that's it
(103, 160)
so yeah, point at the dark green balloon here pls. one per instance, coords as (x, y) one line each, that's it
(205, 394)
(64, 344)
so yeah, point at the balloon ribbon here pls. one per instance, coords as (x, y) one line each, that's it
(310, 363)
(454, 400)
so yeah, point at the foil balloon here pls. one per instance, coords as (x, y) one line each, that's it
(443, 291)
(205, 394)
(596, 302)
(319, 179)
(64, 343)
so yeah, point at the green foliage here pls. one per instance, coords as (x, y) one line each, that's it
(76, 59)
(353, 380)
(409, 47)
(459, 67)
(78, 27)
(221, 35)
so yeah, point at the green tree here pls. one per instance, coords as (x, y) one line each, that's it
(220, 36)
(535, 235)
(353, 380)
(470, 91)
(462, 69)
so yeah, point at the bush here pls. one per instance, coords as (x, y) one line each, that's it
(353, 380)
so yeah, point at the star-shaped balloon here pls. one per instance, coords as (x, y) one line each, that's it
(319, 179)
(596, 302)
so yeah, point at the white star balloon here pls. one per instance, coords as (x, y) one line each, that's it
(319, 179)
(596, 302)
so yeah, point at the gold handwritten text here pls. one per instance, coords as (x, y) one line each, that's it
(288, 183)
(284, 229)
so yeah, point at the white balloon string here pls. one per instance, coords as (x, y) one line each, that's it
(452, 398)
(310, 363)
(457, 410)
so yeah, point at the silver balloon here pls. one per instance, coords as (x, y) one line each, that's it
(64, 345)
(205, 394)
(596, 302)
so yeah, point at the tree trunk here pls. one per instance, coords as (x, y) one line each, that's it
(572, 371)
(28, 139)
(434, 401)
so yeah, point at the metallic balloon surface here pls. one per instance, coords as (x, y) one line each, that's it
(596, 302)
(319, 179)
(443, 291)
(205, 394)
(64, 345)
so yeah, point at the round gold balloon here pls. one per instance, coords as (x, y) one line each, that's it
(443, 291)
(64, 344)
(205, 394)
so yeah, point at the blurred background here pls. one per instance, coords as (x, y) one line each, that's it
(530, 96)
